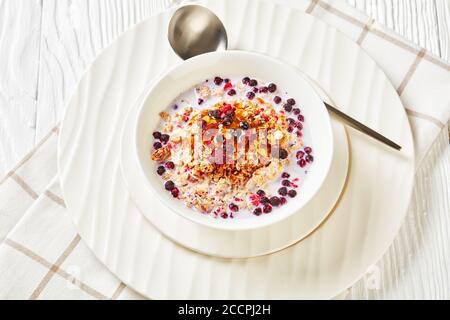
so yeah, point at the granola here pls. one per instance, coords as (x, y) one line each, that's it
(227, 143)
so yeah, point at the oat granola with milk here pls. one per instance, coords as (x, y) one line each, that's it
(232, 146)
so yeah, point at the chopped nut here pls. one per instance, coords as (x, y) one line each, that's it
(164, 115)
(165, 176)
(218, 92)
(169, 127)
(188, 110)
(204, 92)
(278, 135)
(161, 154)
(175, 139)
(192, 179)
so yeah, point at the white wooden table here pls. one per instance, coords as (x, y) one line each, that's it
(45, 45)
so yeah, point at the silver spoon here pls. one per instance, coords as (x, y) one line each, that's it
(194, 30)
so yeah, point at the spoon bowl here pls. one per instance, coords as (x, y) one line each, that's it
(194, 30)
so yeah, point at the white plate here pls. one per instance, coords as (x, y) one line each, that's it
(354, 237)
(233, 243)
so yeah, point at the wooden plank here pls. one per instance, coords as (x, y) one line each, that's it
(73, 34)
(418, 263)
(415, 20)
(20, 27)
(443, 20)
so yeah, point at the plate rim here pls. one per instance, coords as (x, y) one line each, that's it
(411, 157)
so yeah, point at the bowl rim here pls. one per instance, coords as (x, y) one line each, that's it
(212, 223)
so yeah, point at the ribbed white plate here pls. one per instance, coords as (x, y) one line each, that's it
(354, 237)
(237, 243)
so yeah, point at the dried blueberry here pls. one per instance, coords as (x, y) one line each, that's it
(286, 183)
(275, 201)
(283, 154)
(261, 193)
(287, 107)
(253, 83)
(157, 135)
(165, 137)
(250, 95)
(272, 87)
(170, 165)
(227, 121)
(282, 191)
(175, 192)
(231, 92)
(308, 150)
(309, 158)
(267, 208)
(214, 114)
(277, 99)
(292, 193)
(244, 125)
(301, 118)
(200, 101)
(245, 80)
(285, 175)
(218, 81)
(300, 154)
(264, 200)
(290, 101)
(160, 170)
(263, 89)
(157, 145)
(301, 163)
(283, 200)
(169, 185)
(233, 207)
(257, 211)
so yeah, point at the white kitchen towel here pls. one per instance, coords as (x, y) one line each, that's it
(41, 254)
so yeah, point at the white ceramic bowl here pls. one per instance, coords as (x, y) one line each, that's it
(259, 66)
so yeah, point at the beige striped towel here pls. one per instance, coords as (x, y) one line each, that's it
(41, 254)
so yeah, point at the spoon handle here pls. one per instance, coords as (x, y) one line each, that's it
(361, 127)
